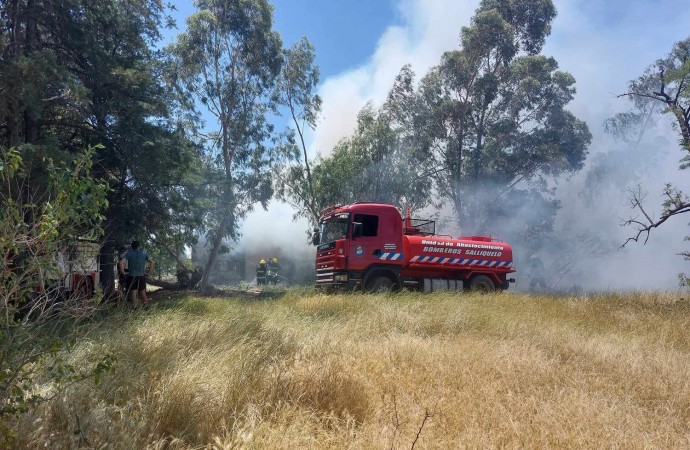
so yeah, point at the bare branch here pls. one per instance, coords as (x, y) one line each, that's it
(427, 415)
(676, 204)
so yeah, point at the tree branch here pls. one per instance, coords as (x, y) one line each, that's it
(427, 415)
(675, 205)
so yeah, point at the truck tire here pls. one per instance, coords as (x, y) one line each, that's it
(380, 284)
(481, 283)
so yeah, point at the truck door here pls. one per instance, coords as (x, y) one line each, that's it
(380, 240)
(367, 248)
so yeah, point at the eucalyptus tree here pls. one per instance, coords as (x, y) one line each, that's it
(494, 112)
(295, 91)
(381, 161)
(628, 160)
(226, 63)
(666, 84)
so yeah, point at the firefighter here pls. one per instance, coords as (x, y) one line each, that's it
(273, 270)
(261, 272)
(537, 280)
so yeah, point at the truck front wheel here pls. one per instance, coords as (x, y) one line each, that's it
(380, 284)
(481, 283)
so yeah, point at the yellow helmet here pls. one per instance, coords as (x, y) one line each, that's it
(275, 260)
(263, 261)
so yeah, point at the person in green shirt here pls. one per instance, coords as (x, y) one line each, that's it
(137, 260)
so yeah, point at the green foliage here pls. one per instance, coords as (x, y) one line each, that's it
(49, 363)
(497, 109)
(380, 162)
(66, 207)
(294, 89)
(37, 324)
(666, 83)
(486, 129)
(227, 62)
(77, 74)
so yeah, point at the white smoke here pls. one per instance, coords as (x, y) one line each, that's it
(604, 45)
(430, 28)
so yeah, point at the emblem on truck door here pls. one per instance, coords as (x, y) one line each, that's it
(359, 250)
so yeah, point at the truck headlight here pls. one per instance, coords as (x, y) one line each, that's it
(340, 277)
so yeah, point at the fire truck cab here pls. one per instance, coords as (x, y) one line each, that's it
(369, 246)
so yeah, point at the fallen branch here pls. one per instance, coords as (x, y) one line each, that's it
(427, 415)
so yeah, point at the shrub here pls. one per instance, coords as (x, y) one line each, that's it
(38, 323)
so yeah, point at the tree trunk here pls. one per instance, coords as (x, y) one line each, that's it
(107, 272)
(478, 149)
(215, 247)
(311, 202)
(456, 179)
(30, 44)
(12, 94)
(222, 229)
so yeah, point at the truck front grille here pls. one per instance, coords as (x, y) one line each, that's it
(325, 264)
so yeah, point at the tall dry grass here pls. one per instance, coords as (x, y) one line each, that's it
(388, 371)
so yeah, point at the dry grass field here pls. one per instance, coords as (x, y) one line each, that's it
(402, 371)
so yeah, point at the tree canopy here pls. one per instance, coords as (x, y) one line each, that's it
(77, 73)
(496, 112)
(295, 89)
(227, 62)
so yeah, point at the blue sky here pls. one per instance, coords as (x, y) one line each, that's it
(344, 32)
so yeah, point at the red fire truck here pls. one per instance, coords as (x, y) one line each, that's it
(76, 271)
(369, 246)
(83, 268)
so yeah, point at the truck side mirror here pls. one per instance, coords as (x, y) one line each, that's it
(315, 237)
(356, 230)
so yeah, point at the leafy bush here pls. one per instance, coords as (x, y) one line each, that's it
(38, 322)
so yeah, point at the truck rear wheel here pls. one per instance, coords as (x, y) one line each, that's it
(380, 284)
(481, 283)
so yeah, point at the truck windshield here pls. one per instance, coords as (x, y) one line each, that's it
(334, 228)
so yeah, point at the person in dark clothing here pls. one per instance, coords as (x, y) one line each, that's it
(273, 270)
(261, 272)
(136, 260)
(536, 268)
